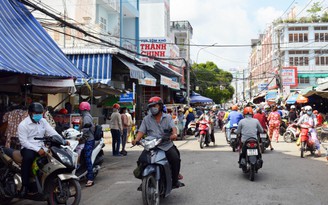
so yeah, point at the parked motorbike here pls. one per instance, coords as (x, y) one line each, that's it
(154, 170)
(204, 136)
(97, 157)
(292, 133)
(51, 178)
(253, 162)
(234, 139)
(283, 126)
(306, 143)
(191, 128)
(323, 133)
(264, 141)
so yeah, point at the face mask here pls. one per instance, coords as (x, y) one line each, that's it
(37, 117)
(154, 111)
(309, 112)
(206, 112)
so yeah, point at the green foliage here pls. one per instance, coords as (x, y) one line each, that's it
(324, 17)
(212, 81)
(314, 10)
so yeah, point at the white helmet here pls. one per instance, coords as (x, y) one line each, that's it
(292, 107)
(308, 108)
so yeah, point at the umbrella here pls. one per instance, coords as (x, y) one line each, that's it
(301, 99)
(199, 99)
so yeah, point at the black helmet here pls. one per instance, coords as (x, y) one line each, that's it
(35, 107)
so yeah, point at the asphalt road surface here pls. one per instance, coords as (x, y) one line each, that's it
(212, 176)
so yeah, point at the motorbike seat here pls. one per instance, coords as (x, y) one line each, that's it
(97, 143)
(14, 154)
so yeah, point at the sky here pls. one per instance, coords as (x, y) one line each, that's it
(231, 22)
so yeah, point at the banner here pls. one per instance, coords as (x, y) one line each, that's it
(289, 76)
(127, 97)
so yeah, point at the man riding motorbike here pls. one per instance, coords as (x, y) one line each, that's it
(309, 118)
(248, 128)
(233, 119)
(31, 127)
(158, 124)
(207, 116)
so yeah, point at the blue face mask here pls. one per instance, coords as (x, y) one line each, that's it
(309, 112)
(37, 117)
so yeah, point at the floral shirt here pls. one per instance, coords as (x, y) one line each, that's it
(13, 118)
(274, 118)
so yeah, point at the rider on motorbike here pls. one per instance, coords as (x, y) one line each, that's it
(31, 127)
(248, 128)
(159, 124)
(310, 119)
(207, 116)
(233, 118)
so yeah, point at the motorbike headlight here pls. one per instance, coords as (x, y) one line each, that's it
(66, 160)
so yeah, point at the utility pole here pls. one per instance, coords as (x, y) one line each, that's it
(244, 85)
(188, 82)
(279, 77)
(250, 84)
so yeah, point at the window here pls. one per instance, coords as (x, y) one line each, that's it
(298, 37)
(103, 23)
(321, 37)
(321, 60)
(304, 80)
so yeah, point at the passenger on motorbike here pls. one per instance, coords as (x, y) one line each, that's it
(309, 118)
(248, 128)
(31, 127)
(159, 124)
(189, 118)
(234, 118)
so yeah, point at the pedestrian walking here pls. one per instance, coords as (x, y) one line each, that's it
(125, 124)
(274, 124)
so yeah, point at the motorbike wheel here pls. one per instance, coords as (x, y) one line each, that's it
(302, 149)
(262, 148)
(69, 193)
(150, 191)
(5, 200)
(288, 136)
(201, 141)
(252, 173)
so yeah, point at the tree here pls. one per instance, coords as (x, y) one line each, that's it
(212, 81)
(314, 10)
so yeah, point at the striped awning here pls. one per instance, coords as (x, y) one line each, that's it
(98, 67)
(135, 72)
(25, 47)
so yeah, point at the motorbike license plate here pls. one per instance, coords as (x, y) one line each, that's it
(263, 135)
(192, 129)
(252, 152)
(233, 136)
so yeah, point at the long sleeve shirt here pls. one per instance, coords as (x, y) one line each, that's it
(116, 121)
(28, 130)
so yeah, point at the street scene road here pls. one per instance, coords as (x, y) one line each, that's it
(212, 176)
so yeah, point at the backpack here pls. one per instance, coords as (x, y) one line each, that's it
(98, 134)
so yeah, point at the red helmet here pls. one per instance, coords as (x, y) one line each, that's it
(315, 112)
(155, 100)
(116, 106)
(63, 111)
(248, 111)
(85, 106)
(234, 107)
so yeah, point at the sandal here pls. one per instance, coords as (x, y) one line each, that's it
(89, 183)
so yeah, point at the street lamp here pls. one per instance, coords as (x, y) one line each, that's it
(203, 49)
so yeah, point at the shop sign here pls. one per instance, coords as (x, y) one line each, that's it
(127, 97)
(289, 76)
(262, 86)
(148, 82)
(169, 83)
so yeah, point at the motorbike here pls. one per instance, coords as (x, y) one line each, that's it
(292, 133)
(97, 157)
(52, 176)
(306, 143)
(253, 162)
(154, 171)
(264, 141)
(283, 126)
(204, 136)
(191, 128)
(234, 139)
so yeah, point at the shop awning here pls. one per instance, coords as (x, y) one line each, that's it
(322, 87)
(166, 71)
(315, 75)
(292, 98)
(149, 80)
(135, 72)
(97, 66)
(25, 47)
(301, 99)
(52, 85)
(197, 98)
(169, 83)
(271, 95)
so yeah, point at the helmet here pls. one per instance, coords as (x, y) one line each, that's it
(308, 108)
(190, 109)
(155, 100)
(116, 106)
(234, 107)
(315, 112)
(292, 107)
(248, 111)
(85, 106)
(36, 107)
(63, 111)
